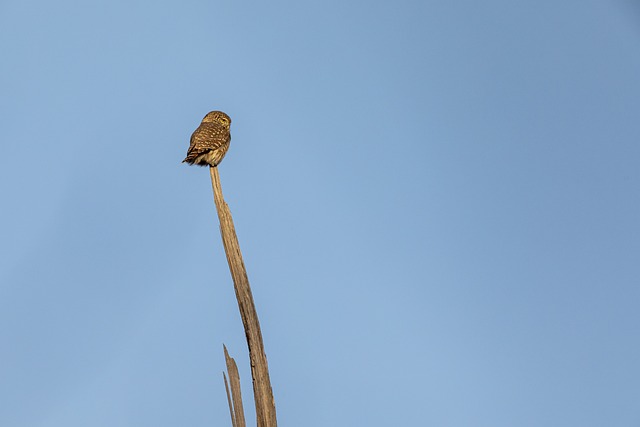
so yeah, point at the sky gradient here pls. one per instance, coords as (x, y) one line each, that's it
(438, 205)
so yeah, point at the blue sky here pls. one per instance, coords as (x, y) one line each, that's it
(437, 203)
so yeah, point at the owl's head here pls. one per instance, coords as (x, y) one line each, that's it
(217, 117)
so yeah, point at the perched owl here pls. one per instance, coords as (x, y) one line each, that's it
(210, 142)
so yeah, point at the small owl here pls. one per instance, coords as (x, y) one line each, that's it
(210, 142)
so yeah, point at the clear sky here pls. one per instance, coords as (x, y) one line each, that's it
(438, 204)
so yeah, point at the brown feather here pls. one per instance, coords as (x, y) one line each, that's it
(210, 141)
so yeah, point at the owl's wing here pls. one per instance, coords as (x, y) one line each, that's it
(207, 138)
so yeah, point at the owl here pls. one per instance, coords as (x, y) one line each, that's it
(210, 142)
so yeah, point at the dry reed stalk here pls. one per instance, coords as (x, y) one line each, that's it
(262, 393)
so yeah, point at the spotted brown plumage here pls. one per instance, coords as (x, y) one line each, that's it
(210, 142)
